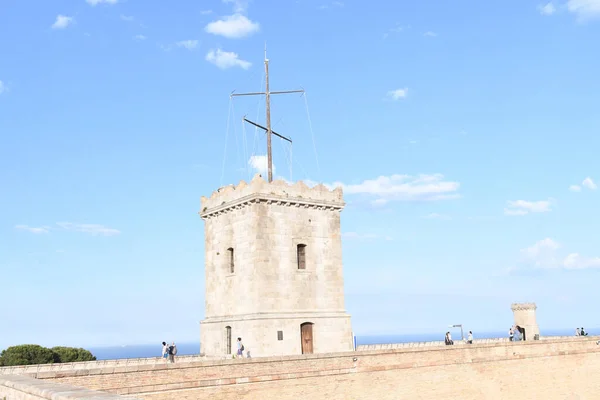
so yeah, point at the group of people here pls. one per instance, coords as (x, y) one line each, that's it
(449, 342)
(580, 332)
(519, 331)
(169, 351)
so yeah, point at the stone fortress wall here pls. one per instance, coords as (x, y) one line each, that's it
(255, 286)
(550, 368)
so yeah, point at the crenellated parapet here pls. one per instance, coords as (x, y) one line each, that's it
(523, 306)
(280, 192)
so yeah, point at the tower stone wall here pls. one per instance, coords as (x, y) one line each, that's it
(268, 293)
(524, 315)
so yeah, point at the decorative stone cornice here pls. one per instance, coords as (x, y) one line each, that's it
(230, 198)
(523, 306)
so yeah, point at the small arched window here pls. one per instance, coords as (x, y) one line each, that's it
(301, 254)
(230, 260)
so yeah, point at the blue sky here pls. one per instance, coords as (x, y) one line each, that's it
(463, 133)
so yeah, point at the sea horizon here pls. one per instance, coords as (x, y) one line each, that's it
(193, 348)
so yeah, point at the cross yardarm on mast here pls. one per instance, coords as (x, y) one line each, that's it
(267, 93)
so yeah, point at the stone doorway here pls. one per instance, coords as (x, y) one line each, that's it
(306, 337)
(228, 340)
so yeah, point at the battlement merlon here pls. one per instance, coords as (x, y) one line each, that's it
(523, 306)
(297, 194)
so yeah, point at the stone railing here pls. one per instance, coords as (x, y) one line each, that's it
(457, 342)
(123, 364)
(389, 346)
(19, 387)
(120, 364)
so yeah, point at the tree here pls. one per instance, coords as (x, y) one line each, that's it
(72, 354)
(30, 354)
(27, 354)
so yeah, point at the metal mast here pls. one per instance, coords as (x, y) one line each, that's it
(267, 93)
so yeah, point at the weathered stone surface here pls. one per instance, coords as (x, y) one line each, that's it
(265, 292)
(21, 387)
(553, 367)
(524, 314)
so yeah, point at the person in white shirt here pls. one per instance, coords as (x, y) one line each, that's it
(165, 350)
(470, 337)
(240, 348)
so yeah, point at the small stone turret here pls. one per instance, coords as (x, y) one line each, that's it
(524, 315)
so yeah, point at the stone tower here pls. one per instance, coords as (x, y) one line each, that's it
(524, 314)
(273, 264)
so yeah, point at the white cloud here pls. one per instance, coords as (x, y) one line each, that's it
(398, 93)
(584, 9)
(259, 164)
(239, 6)
(62, 21)
(226, 59)
(188, 44)
(547, 9)
(544, 254)
(540, 250)
(575, 261)
(2, 87)
(205, 12)
(93, 229)
(234, 26)
(139, 37)
(126, 18)
(396, 29)
(589, 183)
(384, 189)
(36, 230)
(403, 188)
(96, 2)
(522, 207)
(430, 34)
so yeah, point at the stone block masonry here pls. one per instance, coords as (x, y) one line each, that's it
(19, 387)
(273, 267)
(545, 369)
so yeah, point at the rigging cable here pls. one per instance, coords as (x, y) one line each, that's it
(237, 145)
(226, 139)
(288, 159)
(254, 145)
(313, 137)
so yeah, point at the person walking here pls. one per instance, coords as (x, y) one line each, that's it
(240, 348)
(165, 351)
(172, 352)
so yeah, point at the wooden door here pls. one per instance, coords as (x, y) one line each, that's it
(306, 335)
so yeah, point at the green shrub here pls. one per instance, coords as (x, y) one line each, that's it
(30, 354)
(72, 354)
